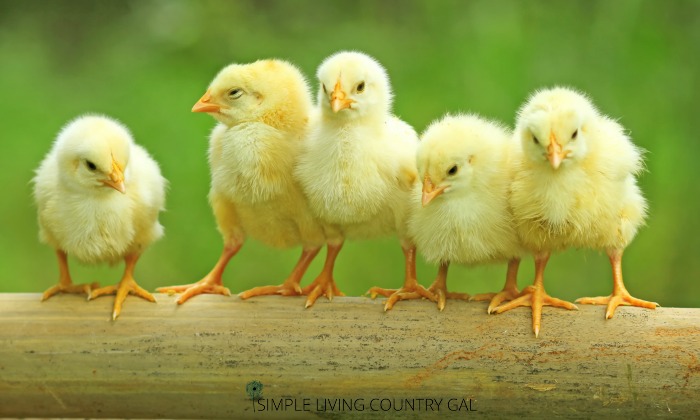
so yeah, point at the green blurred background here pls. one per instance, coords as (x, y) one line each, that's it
(147, 62)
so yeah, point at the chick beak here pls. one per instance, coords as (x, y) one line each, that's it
(116, 178)
(338, 98)
(554, 152)
(204, 104)
(430, 191)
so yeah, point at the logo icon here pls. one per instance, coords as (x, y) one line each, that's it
(254, 390)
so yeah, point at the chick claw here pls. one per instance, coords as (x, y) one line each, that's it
(69, 288)
(323, 285)
(126, 286)
(405, 293)
(443, 295)
(536, 298)
(201, 287)
(497, 298)
(285, 289)
(615, 300)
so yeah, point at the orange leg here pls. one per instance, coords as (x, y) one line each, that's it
(439, 288)
(291, 286)
(510, 289)
(126, 285)
(324, 284)
(65, 284)
(410, 290)
(211, 283)
(620, 295)
(535, 296)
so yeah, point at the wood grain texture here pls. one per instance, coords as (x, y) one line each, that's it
(65, 358)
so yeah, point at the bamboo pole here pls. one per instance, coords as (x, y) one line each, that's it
(65, 358)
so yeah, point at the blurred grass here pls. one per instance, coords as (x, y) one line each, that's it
(146, 63)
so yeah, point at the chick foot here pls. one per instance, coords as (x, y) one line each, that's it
(210, 284)
(497, 298)
(69, 288)
(285, 289)
(410, 290)
(509, 292)
(620, 295)
(291, 286)
(126, 286)
(441, 294)
(65, 284)
(535, 297)
(324, 284)
(615, 300)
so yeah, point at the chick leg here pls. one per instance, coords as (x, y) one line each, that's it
(410, 290)
(510, 289)
(439, 288)
(620, 295)
(65, 284)
(211, 283)
(291, 286)
(324, 284)
(126, 285)
(535, 296)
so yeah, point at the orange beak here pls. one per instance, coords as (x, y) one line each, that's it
(116, 178)
(338, 100)
(429, 190)
(554, 152)
(204, 105)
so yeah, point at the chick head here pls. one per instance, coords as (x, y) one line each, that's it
(270, 91)
(353, 85)
(93, 153)
(553, 125)
(456, 155)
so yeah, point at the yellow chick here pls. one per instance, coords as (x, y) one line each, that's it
(574, 186)
(358, 168)
(263, 109)
(98, 196)
(463, 214)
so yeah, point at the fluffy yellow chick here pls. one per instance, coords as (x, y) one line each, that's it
(98, 196)
(574, 186)
(462, 214)
(358, 168)
(263, 109)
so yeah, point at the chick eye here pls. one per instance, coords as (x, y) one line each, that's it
(91, 166)
(360, 87)
(573, 136)
(324, 88)
(452, 170)
(235, 93)
(535, 140)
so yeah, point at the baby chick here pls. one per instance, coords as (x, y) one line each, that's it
(358, 168)
(463, 214)
(98, 196)
(263, 109)
(574, 186)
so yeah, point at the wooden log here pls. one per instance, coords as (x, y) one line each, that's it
(65, 358)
